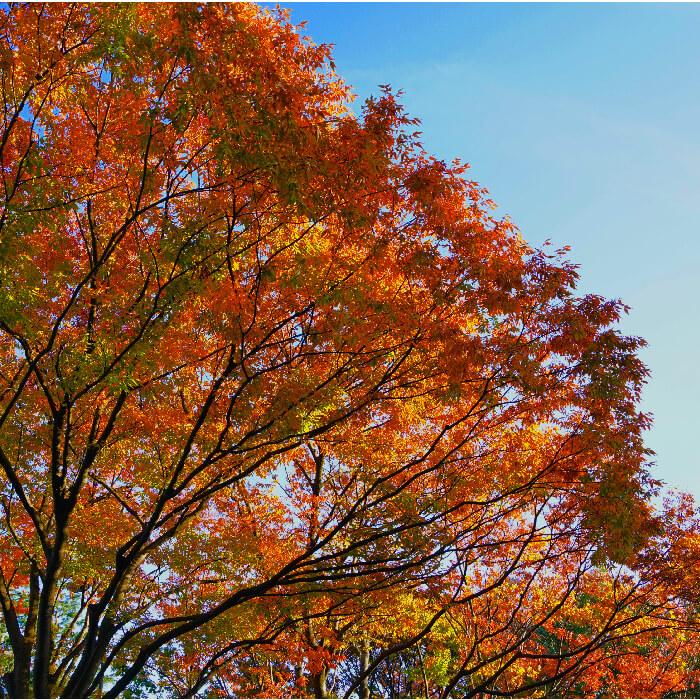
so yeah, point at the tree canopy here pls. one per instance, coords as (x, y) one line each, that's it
(284, 408)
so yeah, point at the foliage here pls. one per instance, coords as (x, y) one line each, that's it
(283, 408)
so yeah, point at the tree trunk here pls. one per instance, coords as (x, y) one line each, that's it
(318, 683)
(16, 681)
(363, 690)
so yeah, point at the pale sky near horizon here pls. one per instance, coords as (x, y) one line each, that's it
(583, 122)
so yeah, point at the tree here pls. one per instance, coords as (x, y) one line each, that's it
(268, 367)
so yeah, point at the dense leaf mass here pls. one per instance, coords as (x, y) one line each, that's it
(284, 409)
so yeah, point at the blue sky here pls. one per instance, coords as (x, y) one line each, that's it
(583, 121)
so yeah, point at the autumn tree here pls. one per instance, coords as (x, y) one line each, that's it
(268, 368)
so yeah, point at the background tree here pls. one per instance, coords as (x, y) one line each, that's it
(268, 367)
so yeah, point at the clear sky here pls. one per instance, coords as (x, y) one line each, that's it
(583, 122)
